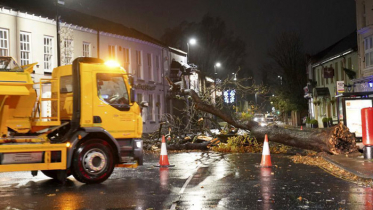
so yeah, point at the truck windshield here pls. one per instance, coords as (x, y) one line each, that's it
(111, 89)
(8, 64)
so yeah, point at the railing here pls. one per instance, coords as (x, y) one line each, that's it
(37, 118)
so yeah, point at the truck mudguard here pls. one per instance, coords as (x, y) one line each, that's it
(84, 132)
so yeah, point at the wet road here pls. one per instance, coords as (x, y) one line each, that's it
(199, 181)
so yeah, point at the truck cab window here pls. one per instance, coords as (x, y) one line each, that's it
(112, 90)
(66, 84)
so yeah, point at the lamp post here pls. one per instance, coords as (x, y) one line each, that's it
(217, 65)
(235, 80)
(280, 77)
(58, 32)
(191, 42)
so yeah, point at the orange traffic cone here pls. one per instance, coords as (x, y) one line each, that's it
(163, 160)
(266, 156)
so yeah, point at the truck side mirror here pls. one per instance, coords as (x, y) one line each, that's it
(130, 80)
(144, 104)
(133, 95)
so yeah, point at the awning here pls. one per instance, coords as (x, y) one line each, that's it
(12, 90)
(322, 92)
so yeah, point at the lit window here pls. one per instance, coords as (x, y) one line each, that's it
(4, 40)
(67, 51)
(157, 73)
(112, 52)
(150, 73)
(25, 45)
(48, 52)
(86, 49)
(138, 64)
(368, 47)
(126, 59)
(151, 108)
(158, 105)
(139, 100)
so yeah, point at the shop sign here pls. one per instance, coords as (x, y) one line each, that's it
(340, 86)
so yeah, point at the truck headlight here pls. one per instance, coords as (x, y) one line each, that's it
(138, 144)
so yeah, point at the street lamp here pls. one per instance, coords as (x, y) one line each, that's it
(217, 65)
(280, 77)
(191, 42)
(235, 76)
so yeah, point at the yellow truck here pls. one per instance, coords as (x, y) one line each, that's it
(87, 123)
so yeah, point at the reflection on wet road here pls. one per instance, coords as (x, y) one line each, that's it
(199, 181)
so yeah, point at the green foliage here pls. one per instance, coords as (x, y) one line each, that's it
(239, 144)
(246, 143)
(324, 120)
(245, 116)
(314, 122)
(308, 120)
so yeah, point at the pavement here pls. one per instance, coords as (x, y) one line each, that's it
(354, 163)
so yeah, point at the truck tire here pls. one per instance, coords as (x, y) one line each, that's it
(93, 161)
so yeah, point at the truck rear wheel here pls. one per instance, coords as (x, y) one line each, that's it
(93, 161)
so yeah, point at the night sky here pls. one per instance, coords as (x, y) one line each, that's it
(319, 22)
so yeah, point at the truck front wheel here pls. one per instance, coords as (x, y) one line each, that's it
(93, 161)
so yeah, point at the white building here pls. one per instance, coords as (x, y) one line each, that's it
(32, 38)
(338, 58)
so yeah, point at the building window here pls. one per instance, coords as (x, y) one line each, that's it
(349, 66)
(157, 75)
(158, 105)
(321, 76)
(138, 64)
(336, 71)
(332, 78)
(139, 100)
(68, 51)
(86, 49)
(25, 44)
(151, 108)
(4, 40)
(368, 47)
(150, 73)
(112, 54)
(342, 71)
(126, 59)
(48, 52)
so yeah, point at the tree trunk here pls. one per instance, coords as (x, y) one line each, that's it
(334, 140)
(188, 146)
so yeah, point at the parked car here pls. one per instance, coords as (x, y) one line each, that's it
(259, 118)
(270, 118)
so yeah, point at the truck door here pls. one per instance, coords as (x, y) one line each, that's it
(112, 110)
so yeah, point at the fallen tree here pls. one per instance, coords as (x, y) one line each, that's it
(334, 140)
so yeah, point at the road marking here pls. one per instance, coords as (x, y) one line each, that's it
(173, 207)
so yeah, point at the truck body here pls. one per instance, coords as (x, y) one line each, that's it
(93, 123)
